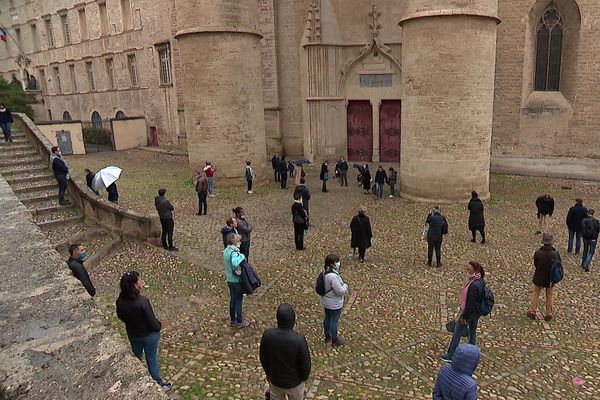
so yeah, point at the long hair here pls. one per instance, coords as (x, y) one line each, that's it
(477, 267)
(237, 210)
(128, 281)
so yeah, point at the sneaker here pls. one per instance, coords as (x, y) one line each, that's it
(173, 248)
(243, 324)
(446, 359)
(337, 342)
(537, 232)
(166, 386)
(390, 196)
(250, 192)
(548, 318)
(531, 315)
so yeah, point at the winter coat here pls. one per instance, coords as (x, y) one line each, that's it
(575, 217)
(285, 357)
(202, 184)
(324, 175)
(595, 225)
(380, 177)
(249, 174)
(392, 178)
(342, 166)
(112, 190)
(244, 228)
(232, 258)
(275, 162)
(361, 232)
(298, 213)
(138, 316)
(304, 192)
(545, 207)
(470, 312)
(366, 181)
(282, 167)
(476, 219)
(164, 207)
(5, 116)
(59, 167)
(336, 289)
(543, 260)
(436, 226)
(81, 273)
(455, 381)
(250, 279)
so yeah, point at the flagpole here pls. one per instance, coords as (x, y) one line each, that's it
(13, 39)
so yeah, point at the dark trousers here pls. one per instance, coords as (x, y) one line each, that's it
(481, 231)
(361, 254)
(167, 232)
(299, 236)
(249, 182)
(113, 198)
(344, 178)
(236, 296)
(577, 237)
(62, 185)
(283, 178)
(245, 249)
(437, 245)
(202, 202)
(324, 189)
(276, 175)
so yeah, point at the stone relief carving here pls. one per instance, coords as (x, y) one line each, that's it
(375, 25)
(312, 31)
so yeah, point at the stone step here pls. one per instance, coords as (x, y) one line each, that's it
(35, 188)
(18, 141)
(29, 178)
(15, 172)
(21, 161)
(36, 199)
(79, 237)
(51, 209)
(46, 225)
(8, 155)
(16, 147)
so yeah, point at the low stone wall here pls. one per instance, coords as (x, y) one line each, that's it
(96, 209)
(54, 341)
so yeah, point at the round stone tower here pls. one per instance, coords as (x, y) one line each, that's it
(221, 81)
(448, 69)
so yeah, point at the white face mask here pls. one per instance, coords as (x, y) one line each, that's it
(337, 265)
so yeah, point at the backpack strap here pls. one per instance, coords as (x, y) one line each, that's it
(327, 271)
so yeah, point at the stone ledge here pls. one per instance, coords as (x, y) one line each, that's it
(557, 167)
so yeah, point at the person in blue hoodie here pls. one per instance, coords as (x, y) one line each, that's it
(455, 381)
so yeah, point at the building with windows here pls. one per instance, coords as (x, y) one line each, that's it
(434, 87)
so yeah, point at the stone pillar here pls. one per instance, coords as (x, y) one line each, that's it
(448, 69)
(222, 85)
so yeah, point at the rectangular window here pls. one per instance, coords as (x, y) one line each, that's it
(65, 26)
(57, 83)
(35, 38)
(18, 39)
(49, 32)
(110, 72)
(132, 63)
(42, 75)
(164, 57)
(103, 19)
(73, 78)
(126, 14)
(89, 69)
(83, 28)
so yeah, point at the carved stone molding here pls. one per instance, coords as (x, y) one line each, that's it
(312, 31)
(375, 25)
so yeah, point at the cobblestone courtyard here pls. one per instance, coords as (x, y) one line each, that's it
(392, 322)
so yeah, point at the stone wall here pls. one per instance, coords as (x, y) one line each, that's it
(50, 129)
(129, 133)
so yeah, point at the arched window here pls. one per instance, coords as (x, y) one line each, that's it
(96, 120)
(549, 50)
(67, 116)
(120, 114)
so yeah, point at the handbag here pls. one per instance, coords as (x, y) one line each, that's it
(451, 325)
(425, 231)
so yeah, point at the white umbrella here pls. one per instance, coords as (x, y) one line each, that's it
(106, 177)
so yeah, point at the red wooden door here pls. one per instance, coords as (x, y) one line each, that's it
(389, 130)
(360, 131)
(154, 136)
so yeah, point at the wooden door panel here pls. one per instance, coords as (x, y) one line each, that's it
(390, 113)
(360, 131)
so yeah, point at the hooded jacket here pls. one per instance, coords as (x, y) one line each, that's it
(455, 381)
(164, 207)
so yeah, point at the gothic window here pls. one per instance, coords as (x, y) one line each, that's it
(96, 120)
(120, 115)
(66, 116)
(549, 50)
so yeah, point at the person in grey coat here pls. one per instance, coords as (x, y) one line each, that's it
(165, 213)
(333, 300)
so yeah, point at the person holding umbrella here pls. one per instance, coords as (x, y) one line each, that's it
(106, 178)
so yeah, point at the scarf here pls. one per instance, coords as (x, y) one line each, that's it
(463, 298)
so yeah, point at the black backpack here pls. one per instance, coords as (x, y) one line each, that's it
(485, 302)
(588, 228)
(320, 284)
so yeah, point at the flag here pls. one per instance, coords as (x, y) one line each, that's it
(2, 35)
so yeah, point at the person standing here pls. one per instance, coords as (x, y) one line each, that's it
(574, 222)
(142, 326)
(113, 193)
(299, 173)
(333, 300)
(291, 168)
(476, 218)
(324, 176)
(275, 165)
(360, 227)
(542, 277)
(210, 177)
(455, 381)
(282, 170)
(249, 175)
(232, 258)
(245, 229)
(304, 193)
(77, 256)
(285, 357)
(366, 179)
(380, 179)
(392, 180)
(60, 169)
(300, 221)
(545, 209)
(165, 213)
(590, 230)
(230, 227)
(342, 171)
(5, 121)
(468, 308)
(202, 190)
(438, 227)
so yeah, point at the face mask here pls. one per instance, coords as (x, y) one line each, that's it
(337, 265)
(83, 256)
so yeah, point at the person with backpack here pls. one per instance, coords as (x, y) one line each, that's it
(590, 230)
(476, 218)
(438, 227)
(360, 227)
(455, 381)
(574, 222)
(469, 310)
(332, 289)
(545, 209)
(543, 259)
(300, 221)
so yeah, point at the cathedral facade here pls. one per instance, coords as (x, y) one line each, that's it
(436, 87)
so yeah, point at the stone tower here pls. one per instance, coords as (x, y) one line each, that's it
(222, 85)
(448, 69)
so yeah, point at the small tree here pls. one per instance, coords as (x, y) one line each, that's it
(15, 98)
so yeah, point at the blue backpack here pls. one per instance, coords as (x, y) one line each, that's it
(557, 273)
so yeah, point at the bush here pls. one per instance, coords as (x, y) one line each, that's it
(15, 99)
(101, 136)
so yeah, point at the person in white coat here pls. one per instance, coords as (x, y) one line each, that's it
(333, 300)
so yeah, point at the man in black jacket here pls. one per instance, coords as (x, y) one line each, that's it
(575, 216)
(285, 357)
(282, 171)
(165, 213)
(75, 262)
(545, 209)
(303, 191)
(438, 227)
(341, 168)
(590, 231)
(60, 173)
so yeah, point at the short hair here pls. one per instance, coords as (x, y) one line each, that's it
(331, 259)
(474, 194)
(229, 221)
(87, 171)
(362, 210)
(302, 180)
(161, 192)
(578, 200)
(232, 238)
(73, 247)
(286, 316)
(248, 162)
(127, 284)
(591, 211)
(54, 148)
(477, 267)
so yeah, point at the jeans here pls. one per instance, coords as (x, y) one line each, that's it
(379, 190)
(393, 189)
(331, 322)
(589, 248)
(249, 182)
(6, 131)
(236, 296)
(202, 202)
(577, 237)
(245, 249)
(456, 336)
(149, 345)
(210, 180)
(299, 236)
(167, 232)
(437, 245)
(62, 185)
